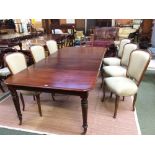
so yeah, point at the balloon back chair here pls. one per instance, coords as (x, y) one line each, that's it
(115, 61)
(51, 46)
(38, 53)
(16, 63)
(121, 70)
(128, 86)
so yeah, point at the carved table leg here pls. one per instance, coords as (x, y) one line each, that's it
(16, 103)
(84, 105)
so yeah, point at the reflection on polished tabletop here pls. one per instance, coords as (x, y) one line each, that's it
(72, 70)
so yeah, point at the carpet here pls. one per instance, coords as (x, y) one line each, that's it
(9, 131)
(64, 116)
(145, 104)
(4, 95)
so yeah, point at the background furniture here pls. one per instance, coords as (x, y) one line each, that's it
(103, 37)
(14, 39)
(66, 28)
(79, 38)
(145, 29)
(124, 22)
(123, 32)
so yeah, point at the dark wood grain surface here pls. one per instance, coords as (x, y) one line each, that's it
(42, 39)
(72, 70)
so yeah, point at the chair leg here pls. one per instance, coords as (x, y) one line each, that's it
(123, 98)
(111, 95)
(22, 99)
(134, 101)
(52, 94)
(34, 97)
(1, 87)
(104, 86)
(102, 78)
(116, 105)
(39, 105)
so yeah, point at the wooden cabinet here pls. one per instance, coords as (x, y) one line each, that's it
(103, 22)
(146, 28)
(80, 24)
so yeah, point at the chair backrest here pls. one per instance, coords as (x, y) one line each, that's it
(121, 46)
(128, 48)
(16, 62)
(38, 53)
(52, 46)
(138, 63)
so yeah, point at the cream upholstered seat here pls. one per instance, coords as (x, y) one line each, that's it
(112, 61)
(16, 62)
(38, 53)
(128, 86)
(115, 61)
(121, 70)
(114, 71)
(52, 46)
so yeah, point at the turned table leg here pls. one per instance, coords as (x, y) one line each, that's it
(16, 103)
(84, 105)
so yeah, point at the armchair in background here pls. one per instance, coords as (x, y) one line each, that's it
(103, 37)
(123, 32)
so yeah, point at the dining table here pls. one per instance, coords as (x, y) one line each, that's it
(71, 70)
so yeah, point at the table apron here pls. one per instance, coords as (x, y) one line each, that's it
(50, 90)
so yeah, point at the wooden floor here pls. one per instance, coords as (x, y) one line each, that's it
(64, 115)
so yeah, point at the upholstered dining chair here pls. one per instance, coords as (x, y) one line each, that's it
(52, 46)
(128, 86)
(37, 52)
(115, 61)
(16, 63)
(120, 70)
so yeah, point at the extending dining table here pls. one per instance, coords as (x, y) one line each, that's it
(71, 70)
